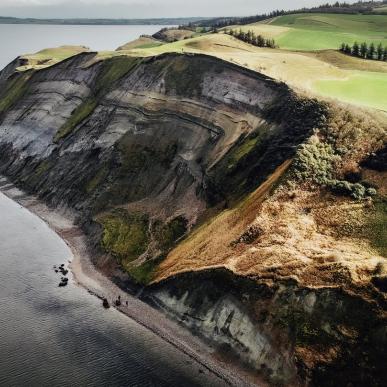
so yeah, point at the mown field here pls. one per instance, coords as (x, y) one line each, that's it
(328, 31)
(364, 88)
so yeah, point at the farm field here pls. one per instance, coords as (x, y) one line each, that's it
(328, 31)
(362, 88)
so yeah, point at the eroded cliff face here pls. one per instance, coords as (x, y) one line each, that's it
(160, 138)
(217, 187)
(293, 335)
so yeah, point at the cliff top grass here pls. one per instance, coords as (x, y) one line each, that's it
(335, 76)
(50, 56)
(141, 42)
(172, 34)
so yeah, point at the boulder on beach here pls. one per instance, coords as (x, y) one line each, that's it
(105, 303)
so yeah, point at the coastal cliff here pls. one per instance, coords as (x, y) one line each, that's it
(248, 213)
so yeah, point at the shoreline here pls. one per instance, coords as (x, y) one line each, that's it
(87, 276)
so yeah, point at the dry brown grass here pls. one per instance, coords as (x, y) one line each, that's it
(378, 179)
(50, 56)
(356, 133)
(301, 231)
(171, 35)
(200, 249)
(141, 42)
(340, 60)
(311, 237)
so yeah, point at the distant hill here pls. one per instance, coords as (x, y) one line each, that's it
(361, 7)
(319, 31)
(156, 21)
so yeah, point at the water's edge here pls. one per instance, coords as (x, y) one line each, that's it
(87, 276)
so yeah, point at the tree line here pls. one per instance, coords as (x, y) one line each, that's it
(360, 7)
(365, 51)
(251, 38)
(228, 21)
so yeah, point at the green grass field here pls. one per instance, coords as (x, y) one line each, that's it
(361, 88)
(50, 56)
(326, 31)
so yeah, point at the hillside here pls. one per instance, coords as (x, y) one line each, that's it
(358, 8)
(325, 73)
(48, 57)
(250, 213)
(169, 35)
(327, 31)
(141, 42)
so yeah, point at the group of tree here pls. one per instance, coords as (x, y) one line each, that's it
(360, 7)
(365, 51)
(221, 22)
(251, 38)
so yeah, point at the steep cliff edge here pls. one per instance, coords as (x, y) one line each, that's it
(255, 216)
(160, 138)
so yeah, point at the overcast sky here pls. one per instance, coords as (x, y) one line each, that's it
(145, 8)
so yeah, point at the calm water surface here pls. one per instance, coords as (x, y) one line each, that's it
(25, 38)
(51, 336)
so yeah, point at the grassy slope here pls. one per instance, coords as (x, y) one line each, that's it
(227, 225)
(268, 31)
(295, 232)
(325, 31)
(50, 56)
(170, 35)
(364, 88)
(318, 76)
(336, 58)
(141, 42)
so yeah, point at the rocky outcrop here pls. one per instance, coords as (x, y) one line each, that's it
(163, 135)
(293, 335)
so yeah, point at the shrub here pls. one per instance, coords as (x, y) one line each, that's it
(356, 191)
(317, 161)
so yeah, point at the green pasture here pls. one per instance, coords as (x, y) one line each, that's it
(326, 31)
(360, 88)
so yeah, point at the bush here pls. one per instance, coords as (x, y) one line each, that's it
(356, 191)
(317, 161)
